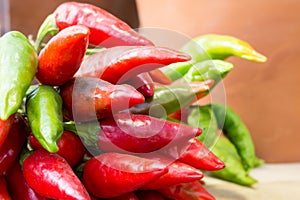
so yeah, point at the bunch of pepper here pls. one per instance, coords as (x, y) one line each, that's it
(101, 124)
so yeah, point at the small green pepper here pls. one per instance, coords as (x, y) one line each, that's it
(238, 133)
(44, 110)
(203, 117)
(18, 65)
(234, 170)
(214, 46)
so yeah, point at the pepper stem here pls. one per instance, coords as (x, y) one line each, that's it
(48, 27)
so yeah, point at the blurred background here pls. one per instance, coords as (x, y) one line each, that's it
(265, 95)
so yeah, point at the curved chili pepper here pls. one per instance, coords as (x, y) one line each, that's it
(86, 99)
(18, 186)
(143, 83)
(69, 145)
(196, 154)
(112, 174)
(125, 62)
(149, 195)
(178, 172)
(168, 99)
(214, 46)
(13, 144)
(51, 176)
(44, 110)
(18, 64)
(238, 133)
(5, 126)
(142, 133)
(187, 191)
(106, 29)
(4, 194)
(60, 59)
(234, 170)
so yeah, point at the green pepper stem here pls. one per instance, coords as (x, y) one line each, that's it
(48, 27)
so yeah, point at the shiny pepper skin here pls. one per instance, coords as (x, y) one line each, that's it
(112, 174)
(51, 176)
(142, 133)
(125, 62)
(69, 145)
(106, 29)
(5, 126)
(60, 59)
(86, 99)
(12, 146)
(18, 186)
(18, 65)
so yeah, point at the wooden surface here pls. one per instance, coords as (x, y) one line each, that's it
(276, 182)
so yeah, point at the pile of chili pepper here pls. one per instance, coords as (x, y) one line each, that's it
(102, 120)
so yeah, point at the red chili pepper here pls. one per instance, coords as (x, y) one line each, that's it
(187, 191)
(178, 172)
(196, 154)
(18, 186)
(143, 83)
(142, 133)
(5, 126)
(112, 174)
(128, 196)
(149, 195)
(118, 64)
(106, 29)
(62, 55)
(4, 195)
(51, 176)
(70, 147)
(13, 144)
(86, 98)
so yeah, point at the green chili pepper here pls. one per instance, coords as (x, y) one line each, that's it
(204, 118)
(212, 47)
(168, 99)
(44, 110)
(221, 47)
(208, 69)
(234, 170)
(238, 133)
(18, 65)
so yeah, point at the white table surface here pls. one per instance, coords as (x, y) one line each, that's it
(276, 182)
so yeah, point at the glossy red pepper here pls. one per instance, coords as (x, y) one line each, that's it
(187, 191)
(51, 176)
(70, 147)
(13, 144)
(112, 174)
(118, 64)
(128, 196)
(196, 154)
(143, 83)
(149, 195)
(178, 172)
(87, 99)
(5, 126)
(142, 133)
(4, 194)
(18, 186)
(60, 59)
(106, 29)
